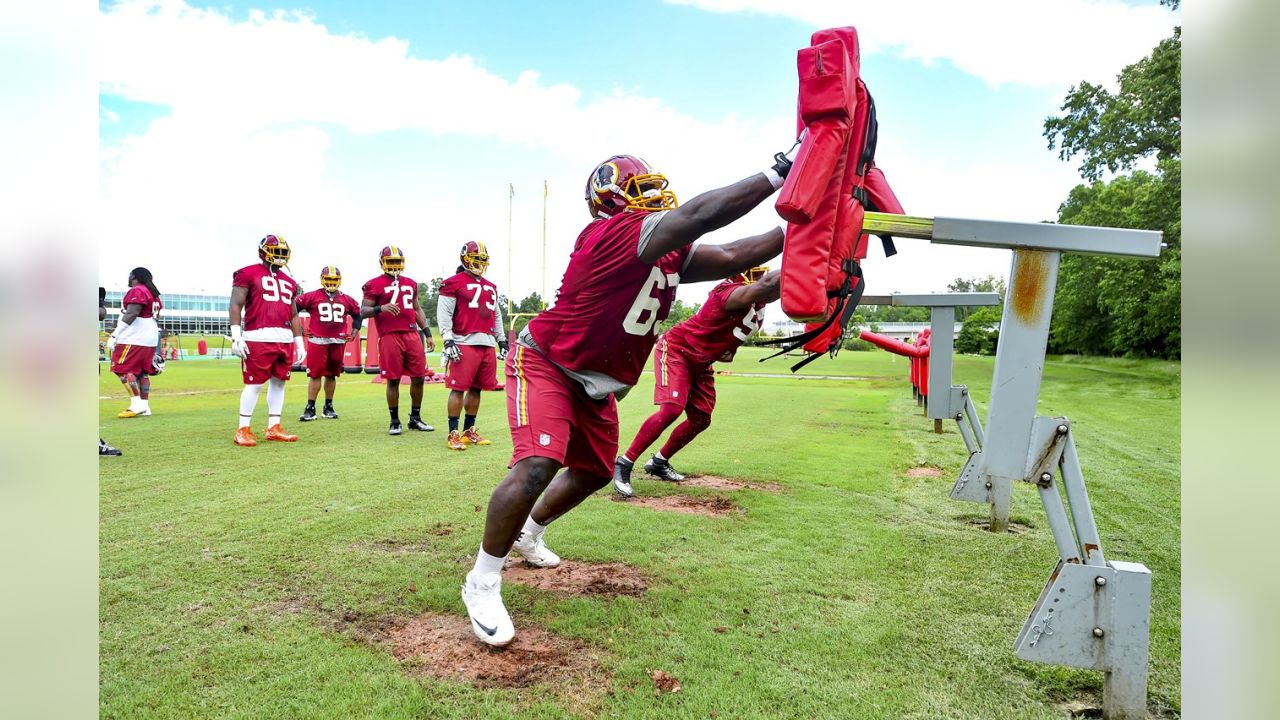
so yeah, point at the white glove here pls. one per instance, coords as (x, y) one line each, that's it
(451, 352)
(111, 343)
(239, 347)
(300, 348)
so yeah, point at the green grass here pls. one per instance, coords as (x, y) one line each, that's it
(887, 602)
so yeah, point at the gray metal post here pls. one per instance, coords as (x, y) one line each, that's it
(1015, 385)
(942, 330)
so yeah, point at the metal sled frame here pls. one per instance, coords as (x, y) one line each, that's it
(1093, 613)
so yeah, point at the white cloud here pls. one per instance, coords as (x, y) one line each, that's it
(255, 105)
(1024, 42)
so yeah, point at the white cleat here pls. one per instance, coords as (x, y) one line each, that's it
(535, 551)
(482, 594)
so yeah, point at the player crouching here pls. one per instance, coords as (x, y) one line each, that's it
(470, 327)
(271, 339)
(684, 380)
(327, 339)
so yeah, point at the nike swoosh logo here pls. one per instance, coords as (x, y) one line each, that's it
(487, 630)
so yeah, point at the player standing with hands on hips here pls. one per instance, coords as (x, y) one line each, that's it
(470, 327)
(262, 297)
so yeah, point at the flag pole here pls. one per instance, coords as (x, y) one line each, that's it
(544, 243)
(511, 194)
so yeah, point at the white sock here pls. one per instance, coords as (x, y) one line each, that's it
(532, 527)
(275, 401)
(248, 399)
(144, 405)
(486, 563)
(133, 403)
(658, 456)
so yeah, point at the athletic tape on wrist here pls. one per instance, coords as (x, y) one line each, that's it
(774, 178)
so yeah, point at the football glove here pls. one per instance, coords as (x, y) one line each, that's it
(451, 352)
(502, 349)
(300, 349)
(111, 343)
(239, 347)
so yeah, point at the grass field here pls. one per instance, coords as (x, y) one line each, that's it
(232, 578)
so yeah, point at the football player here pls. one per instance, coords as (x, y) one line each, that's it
(262, 296)
(134, 343)
(391, 299)
(684, 380)
(327, 339)
(103, 447)
(471, 328)
(572, 362)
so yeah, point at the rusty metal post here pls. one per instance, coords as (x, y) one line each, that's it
(1015, 385)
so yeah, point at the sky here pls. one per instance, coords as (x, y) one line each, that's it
(348, 126)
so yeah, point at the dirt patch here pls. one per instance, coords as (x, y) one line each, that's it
(984, 524)
(1080, 709)
(393, 545)
(664, 681)
(715, 482)
(578, 578)
(924, 471)
(687, 504)
(443, 646)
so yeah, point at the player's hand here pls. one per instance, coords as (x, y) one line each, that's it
(299, 349)
(350, 336)
(111, 344)
(239, 348)
(782, 161)
(502, 349)
(391, 309)
(451, 353)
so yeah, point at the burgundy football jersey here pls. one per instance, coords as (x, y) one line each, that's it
(140, 295)
(714, 334)
(328, 314)
(476, 300)
(271, 295)
(402, 292)
(609, 301)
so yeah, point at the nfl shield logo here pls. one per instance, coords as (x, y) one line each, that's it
(544, 439)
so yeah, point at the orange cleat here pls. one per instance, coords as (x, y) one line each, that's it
(277, 433)
(455, 441)
(244, 436)
(470, 435)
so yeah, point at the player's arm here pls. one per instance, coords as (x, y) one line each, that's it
(716, 262)
(357, 317)
(131, 313)
(102, 303)
(446, 305)
(426, 327)
(713, 210)
(368, 308)
(239, 296)
(765, 290)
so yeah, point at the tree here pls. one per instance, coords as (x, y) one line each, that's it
(1121, 306)
(980, 332)
(988, 284)
(679, 313)
(429, 297)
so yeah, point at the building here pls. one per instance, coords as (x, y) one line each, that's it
(183, 314)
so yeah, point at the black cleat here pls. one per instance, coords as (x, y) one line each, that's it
(105, 449)
(415, 423)
(308, 415)
(622, 477)
(328, 413)
(395, 428)
(662, 470)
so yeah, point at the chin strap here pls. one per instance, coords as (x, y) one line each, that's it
(849, 294)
